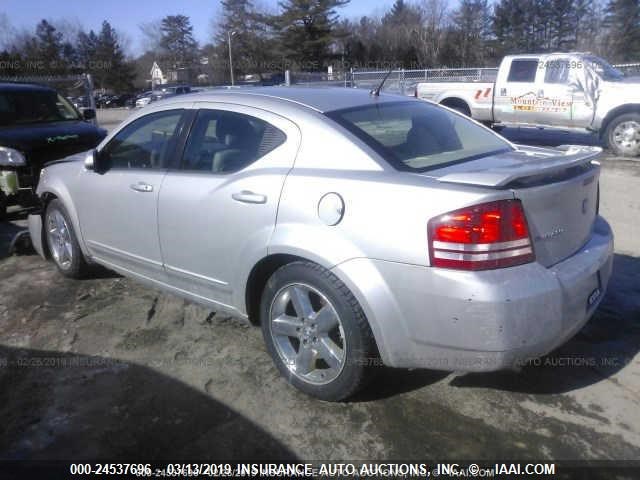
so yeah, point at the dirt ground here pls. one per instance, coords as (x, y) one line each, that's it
(108, 368)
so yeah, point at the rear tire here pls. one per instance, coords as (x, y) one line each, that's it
(62, 241)
(316, 332)
(622, 135)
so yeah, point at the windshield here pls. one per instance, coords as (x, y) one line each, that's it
(419, 136)
(34, 106)
(604, 69)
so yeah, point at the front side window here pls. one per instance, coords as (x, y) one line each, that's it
(523, 71)
(225, 142)
(145, 143)
(419, 136)
(603, 69)
(557, 71)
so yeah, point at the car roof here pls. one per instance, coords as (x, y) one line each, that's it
(320, 99)
(23, 87)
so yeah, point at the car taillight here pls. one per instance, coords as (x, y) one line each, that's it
(481, 237)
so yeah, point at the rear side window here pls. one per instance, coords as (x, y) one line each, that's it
(418, 136)
(226, 142)
(523, 71)
(557, 71)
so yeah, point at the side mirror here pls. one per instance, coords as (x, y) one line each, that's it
(88, 114)
(91, 160)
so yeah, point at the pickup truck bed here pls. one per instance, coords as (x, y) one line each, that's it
(474, 99)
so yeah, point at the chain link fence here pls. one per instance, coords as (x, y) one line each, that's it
(339, 79)
(629, 69)
(404, 81)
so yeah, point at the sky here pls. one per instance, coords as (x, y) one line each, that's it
(126, 15)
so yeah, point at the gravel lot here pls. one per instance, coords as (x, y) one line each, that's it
(106, 367)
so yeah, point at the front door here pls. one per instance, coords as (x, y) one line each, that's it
(218, 211)
(118, 210)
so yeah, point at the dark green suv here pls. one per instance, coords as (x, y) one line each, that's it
(37, 125)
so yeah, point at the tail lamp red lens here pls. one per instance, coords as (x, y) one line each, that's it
(481, 237)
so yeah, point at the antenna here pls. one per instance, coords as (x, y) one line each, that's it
(376, 91)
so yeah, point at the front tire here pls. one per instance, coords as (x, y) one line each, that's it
(62, 241)
(316, 332)
(622, 135)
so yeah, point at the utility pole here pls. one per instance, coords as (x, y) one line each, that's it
(229, 35)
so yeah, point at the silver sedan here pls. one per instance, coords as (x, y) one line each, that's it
(357, 229)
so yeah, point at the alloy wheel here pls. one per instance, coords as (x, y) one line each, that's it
(626, 137)
(307, 333)
(60, 239)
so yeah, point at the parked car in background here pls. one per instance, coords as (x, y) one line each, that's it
(354, 228)
(558, 90)
(117, 100)
(37, 126)
(143, 99)
(169, 91)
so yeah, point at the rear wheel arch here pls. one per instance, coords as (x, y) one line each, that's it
(457, 104)
(258, 278)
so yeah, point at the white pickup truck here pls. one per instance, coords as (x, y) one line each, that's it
(576, 91)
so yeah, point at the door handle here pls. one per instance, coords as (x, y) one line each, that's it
(246, 196)
(141, 187)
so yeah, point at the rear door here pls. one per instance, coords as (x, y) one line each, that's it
(555, 95)
(515, 95)
(218, 210)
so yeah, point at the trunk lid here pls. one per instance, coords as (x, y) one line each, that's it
(558, 189)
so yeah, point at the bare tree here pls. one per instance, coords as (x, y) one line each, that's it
(151, 36)
(7, 32)
(432, 34)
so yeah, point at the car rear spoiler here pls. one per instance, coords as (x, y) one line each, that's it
(541, 162)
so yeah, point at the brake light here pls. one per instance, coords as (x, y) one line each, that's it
(481, 237)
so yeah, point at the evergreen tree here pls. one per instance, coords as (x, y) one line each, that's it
(44, 50)
(472, 32)
(622, 22)
(253, 44)
(108, 64)
(562, 25)
(399, 14)
(177, 42)
(514, 25)
(86, 46)
(306, 31)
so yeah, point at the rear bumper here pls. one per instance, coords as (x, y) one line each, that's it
(479, 321)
